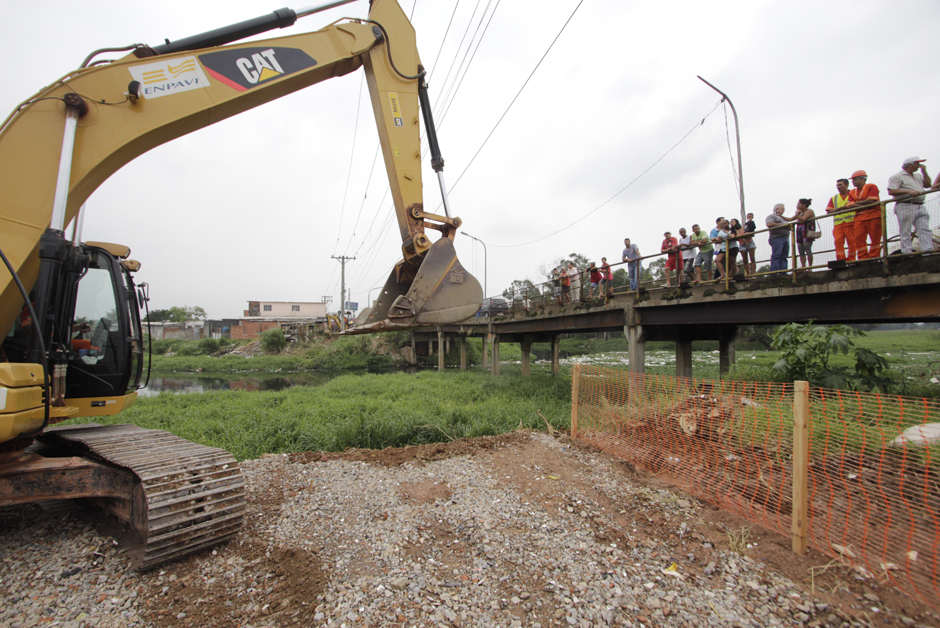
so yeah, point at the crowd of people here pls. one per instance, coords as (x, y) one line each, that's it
(566, 281)
(701, 257)
(857, 227)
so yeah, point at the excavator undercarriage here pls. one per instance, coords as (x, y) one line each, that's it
(175, 496)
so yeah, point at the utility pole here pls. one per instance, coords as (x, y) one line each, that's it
(342, 287)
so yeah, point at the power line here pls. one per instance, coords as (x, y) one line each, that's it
(352, 153)
(568, 21)
(470, 62)
(637, 178)
(434, 65)
(451, 90)
(440, 101)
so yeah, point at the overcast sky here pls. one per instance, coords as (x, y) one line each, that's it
(254, 207)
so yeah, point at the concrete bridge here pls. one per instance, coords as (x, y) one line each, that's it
(884, 290)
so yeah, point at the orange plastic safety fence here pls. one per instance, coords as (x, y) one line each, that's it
(873, 476)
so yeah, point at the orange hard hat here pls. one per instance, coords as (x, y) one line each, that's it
(859, 173)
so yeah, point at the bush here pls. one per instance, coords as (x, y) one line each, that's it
(186, 348)
(273, 341)
(806, 350)
(209, 345)
(160, 347)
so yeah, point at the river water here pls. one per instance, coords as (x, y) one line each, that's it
(184, 383)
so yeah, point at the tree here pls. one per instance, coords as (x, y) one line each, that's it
(580, 261)
(159, 316)
(186, 313)
(621, 278)
(806, 350)
(655, 273)
(520, 288)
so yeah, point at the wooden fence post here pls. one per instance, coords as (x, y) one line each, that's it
(800, 521)
(575, 383)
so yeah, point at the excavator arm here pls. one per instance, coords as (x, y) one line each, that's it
(124, 108)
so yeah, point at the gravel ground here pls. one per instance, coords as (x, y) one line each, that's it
(522, 530)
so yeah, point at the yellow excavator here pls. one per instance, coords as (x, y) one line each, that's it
(72, 341)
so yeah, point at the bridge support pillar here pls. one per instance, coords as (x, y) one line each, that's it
(495, 340)
(637, 347)
(463, 352)
(683, 358)
(486, 342)
(526, 350)
(726, 353)
(440, 349)
(556, 343)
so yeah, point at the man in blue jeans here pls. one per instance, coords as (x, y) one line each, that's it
(631, 254)
(779, 238)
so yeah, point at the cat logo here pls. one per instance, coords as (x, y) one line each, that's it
(169, 77)
(396, 109)
(245, 68)
(260, 67)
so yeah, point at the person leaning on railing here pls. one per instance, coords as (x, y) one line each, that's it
(866, 197)
(779, 238)
(843, 229)
(749, 247)
(907, 187)
(806, 233)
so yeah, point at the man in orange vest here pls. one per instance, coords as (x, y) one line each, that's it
(867, 221)
(844, 229)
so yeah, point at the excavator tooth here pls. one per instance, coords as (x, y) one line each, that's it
(438, 292)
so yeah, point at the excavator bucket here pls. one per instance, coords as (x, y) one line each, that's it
(436, 291)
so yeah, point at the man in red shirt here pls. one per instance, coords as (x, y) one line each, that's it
(844, 229)
(670, 246)
(867, 221)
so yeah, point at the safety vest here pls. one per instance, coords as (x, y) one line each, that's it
(838, 203)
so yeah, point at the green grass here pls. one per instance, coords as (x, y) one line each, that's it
(377, 411)
(369, 411)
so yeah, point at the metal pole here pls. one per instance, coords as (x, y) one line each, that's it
(77, 225)
(737, 136)
(484, 258)
(304, 12)
(342, 288)
(74, 109)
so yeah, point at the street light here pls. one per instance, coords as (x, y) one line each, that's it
(737, 135)
(484, 258)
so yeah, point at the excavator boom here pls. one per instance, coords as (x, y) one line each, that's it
(139, 102)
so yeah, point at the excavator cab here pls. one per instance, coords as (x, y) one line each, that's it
(96, 332)
(105, 345)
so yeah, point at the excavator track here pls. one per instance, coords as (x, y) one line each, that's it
(187, 497)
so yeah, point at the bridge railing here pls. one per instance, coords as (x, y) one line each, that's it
(850, 474)
(840, 236)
